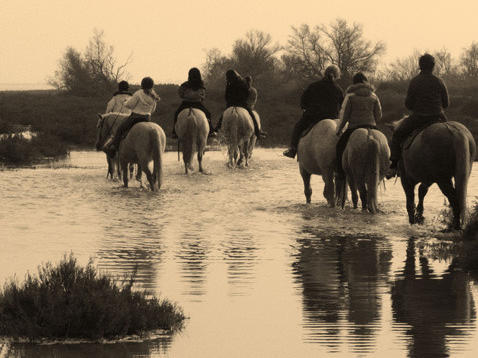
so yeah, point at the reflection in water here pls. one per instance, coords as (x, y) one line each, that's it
(436, 308)
(193, 256)
(341, 278)
(222, 247)
(120, 350)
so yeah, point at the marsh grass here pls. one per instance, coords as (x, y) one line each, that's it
(66, 301)
(16, 150)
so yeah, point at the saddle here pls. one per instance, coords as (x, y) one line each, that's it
(411, 137)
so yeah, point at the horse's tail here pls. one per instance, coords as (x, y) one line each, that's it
(189, 141)
(157, 158)
(373, 172)
(464, 156)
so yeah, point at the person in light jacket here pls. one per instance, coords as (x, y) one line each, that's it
(361, 109)
(142, 104)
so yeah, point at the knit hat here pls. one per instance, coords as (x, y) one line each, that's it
(123, 86)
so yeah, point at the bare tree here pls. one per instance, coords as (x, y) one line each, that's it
(99, 57)
(305, 55)
(90, 74)
(469, 61)
(255, 55)
(340, 44)
(406, 68)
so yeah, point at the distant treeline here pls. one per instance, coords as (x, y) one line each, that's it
(72, 120)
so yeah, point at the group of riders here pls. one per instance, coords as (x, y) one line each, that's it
(359, 107)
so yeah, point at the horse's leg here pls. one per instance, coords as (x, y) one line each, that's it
(307, 188)
(353, 190)
(329, 190)
(409, 189)
(124, 169)
(246, 153)
(422, 191)
(449, 191)
(151, 178)
(363, 194)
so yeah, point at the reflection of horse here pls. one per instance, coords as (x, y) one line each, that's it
(365, 162)
(435, 308)
(239, 132)
(316, 154)
(192, 129)
(442, 151)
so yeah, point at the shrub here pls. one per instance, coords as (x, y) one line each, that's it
(17, 150)
(69, 301)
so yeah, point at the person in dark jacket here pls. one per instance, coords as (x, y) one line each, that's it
(193, 93)
(321, 100)
(427, 96)
(361, 109)
(237, 95)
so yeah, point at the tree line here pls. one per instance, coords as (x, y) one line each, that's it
(302, 59)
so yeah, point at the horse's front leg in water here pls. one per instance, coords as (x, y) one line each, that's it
(410, 195)
(124, 169)
(422, 191)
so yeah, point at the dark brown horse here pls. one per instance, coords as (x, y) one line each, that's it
(440, 153)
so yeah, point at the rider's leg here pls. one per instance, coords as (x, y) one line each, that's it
(259, 133)
(299, 127)
(399, 134)
(341, 144)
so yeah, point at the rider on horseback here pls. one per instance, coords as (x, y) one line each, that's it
(193, 93)
(239, 93)
(321, 100)
(427, 96)
(361, 109)
(141, 104)
(116, 103)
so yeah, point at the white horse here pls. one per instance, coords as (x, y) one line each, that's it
(316, 154)
(238, 129)
(144, 143)
(365, 162)
(192, 129)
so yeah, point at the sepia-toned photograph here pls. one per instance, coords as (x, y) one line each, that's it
(238, 179)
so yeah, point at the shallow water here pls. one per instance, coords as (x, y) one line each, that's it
(258, 272)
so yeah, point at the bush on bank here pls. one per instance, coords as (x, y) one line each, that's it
(68, 301)
(17, 150)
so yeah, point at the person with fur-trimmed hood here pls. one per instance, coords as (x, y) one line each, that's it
(116, 103)
(361, 109)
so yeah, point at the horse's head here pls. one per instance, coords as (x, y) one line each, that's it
(100, 132)
(394, 124)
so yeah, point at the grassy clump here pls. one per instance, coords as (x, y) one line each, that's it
(470, 236)
(68, 301)
(16, 150)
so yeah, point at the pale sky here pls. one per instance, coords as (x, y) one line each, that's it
(166, 38)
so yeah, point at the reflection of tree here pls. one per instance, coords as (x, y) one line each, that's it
(340, 280)
(431, 305)
(119, 350)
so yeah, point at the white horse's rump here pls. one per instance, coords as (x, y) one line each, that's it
(365, 161)
(238, 129)
(192, 129)
(316, 154)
